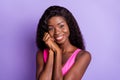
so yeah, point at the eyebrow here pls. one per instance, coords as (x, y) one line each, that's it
(57, 23)
(60, 22)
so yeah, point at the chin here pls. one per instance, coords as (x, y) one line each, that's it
(60, 42)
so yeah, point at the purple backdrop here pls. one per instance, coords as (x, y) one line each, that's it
(99, 22)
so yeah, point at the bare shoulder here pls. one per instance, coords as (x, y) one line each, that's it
(82, 61)
(39, 53)
(83, 55)
(39, 63)
(39, 57)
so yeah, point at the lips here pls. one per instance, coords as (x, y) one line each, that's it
(58, 38)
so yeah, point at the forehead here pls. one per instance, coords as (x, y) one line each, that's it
(55, 20)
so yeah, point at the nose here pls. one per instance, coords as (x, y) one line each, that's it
(57, 31)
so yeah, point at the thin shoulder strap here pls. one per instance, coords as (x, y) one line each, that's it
(70, 62)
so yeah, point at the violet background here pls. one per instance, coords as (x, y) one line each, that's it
(99, 21)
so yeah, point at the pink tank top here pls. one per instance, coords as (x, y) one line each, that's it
(69, 62)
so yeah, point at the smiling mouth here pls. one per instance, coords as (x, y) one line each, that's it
(59, 38)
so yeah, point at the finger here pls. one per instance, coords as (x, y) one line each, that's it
(52, 39)
(50, 51)
(52, 48)
(45, 35)
(47, 38)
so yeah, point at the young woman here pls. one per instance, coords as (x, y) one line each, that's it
(61, 54)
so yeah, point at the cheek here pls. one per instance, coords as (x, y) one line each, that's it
(51, 33)
(66, 30)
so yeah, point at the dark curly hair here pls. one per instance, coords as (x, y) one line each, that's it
(75, 37)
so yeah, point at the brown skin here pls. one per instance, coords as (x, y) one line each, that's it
(57, 40)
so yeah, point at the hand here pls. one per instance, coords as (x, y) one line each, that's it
(50, 42)
(51, 52)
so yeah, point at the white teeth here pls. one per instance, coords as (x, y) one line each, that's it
(59, 38)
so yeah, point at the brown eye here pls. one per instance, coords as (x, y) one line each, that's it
(61, 26)
(50, 28)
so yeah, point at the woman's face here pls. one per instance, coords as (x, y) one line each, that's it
(58, 29)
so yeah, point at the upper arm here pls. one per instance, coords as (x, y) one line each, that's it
(39, 63)
(79, 67)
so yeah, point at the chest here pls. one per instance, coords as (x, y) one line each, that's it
(65, 58)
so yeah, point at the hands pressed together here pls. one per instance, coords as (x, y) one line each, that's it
(49, 41)
(53, 68)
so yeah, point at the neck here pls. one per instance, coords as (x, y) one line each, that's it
(67, 47)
